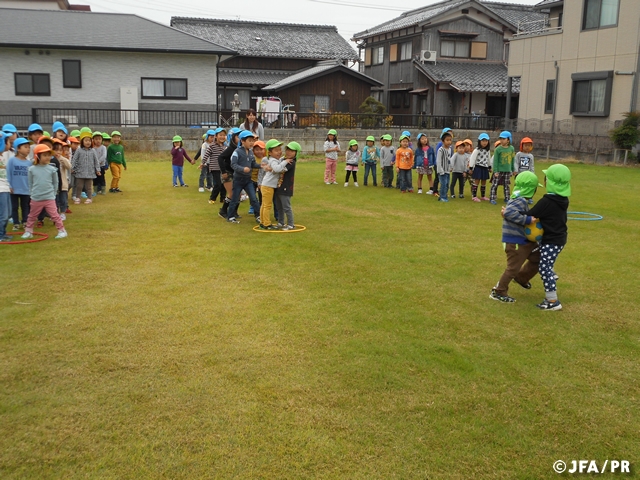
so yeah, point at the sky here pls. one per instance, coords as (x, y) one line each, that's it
(350, 16)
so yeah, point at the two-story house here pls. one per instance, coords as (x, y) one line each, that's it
(448, 58)
(579, 72)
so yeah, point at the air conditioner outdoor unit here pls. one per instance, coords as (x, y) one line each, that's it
(427, 56)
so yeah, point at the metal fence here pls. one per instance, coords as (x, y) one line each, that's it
(21, 122)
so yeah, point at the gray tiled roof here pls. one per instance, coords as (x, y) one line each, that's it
(278, 40)
(522, 16)
(321, 68)
(470, 76)
(510, 13)
(544, 3)
(244, 76)
(69, 29)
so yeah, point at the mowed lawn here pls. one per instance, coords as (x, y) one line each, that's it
(158, 341)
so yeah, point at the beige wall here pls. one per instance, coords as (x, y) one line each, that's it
(532, 58)
(34, 4)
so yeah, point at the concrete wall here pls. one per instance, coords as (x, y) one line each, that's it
(103, 73)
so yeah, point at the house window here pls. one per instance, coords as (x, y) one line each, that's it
(377, 56)
(168, 88)
(454, 48)
(600, 13)
(406, 51)
(479, 50)
(591, 94)
(550, 96)
(32, 84)
(400, 99)
(314, 103)
(71, 77)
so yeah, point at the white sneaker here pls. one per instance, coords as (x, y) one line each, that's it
(429, 192)
(419, 190)
(356, 184)
(73, 198)
(346, 184)
(327, 183)
(62, 234)
(63, 217)
(201, 189)
(335, 183)
(27, 236)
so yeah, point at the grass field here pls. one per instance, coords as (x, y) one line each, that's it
(158, 341)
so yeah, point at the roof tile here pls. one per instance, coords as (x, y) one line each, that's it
(470, 76)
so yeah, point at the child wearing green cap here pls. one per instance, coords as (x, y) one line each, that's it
(523, 256)
(285, 187)
(387, 159)
(353, 159)
(331, 150)
(551, 211)
(274, 169)
(178, 154)
(370, 157)
(116, 160)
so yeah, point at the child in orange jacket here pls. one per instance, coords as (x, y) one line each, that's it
(404, 164)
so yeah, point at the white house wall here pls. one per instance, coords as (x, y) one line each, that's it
(103, 73)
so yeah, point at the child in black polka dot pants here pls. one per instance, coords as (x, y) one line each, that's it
(551, 211)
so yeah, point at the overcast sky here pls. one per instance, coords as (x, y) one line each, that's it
(350, 16)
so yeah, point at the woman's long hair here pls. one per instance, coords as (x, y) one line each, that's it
(254, 125)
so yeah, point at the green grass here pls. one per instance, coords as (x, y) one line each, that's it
(158, 341)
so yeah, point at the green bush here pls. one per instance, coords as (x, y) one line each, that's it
(373, 108)
(626, 136)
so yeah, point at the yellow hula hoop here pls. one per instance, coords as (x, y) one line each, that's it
(296, 229)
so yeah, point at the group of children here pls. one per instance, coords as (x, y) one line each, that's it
(237, 165)
(37, 172)
(445, 166)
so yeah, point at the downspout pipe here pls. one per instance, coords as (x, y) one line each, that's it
(555, 98)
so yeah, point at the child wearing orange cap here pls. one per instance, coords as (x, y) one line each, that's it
(524, 158)
(458, 169)
(43, 186)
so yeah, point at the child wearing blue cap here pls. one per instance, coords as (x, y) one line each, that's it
(18, 177)
(224, 160)
(211, 157)
(5, 193)
(205, 172)
(436, 181)
(242, 162)
(503, 167)
(60, 131)
(480, 167)
(34, 132)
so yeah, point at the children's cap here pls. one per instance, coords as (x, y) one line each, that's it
(20, 141)
(246, 134)
(44, 138)
(273, 143)
(558, 178)
(445, 131)
(105, 136)
(525, 140)
(74, 140)
(9, 128)
(75, 133)
(234, 131)
(526, 185)
(84, 135)
(387, 137)
(332, 132)
(420, 135)
(41, 149)
(46, 134)
(204, 136)
(468, 141)
(353, 142)
(370, 138)
(85, 129)
(459, 144)
(259, 144)
(210, 133)
(59, 126)
(177, 138)
(484, 136)
(498, 142)
(58, 141)
(402, 137)
(294, 146)
(35, 127)
(115, 132)
(406, 133)
(506, 134)
(97, 134)
(219, 130)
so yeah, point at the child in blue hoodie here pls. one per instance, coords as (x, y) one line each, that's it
(18, 177)
(370, 157)
(424, 161)
(518, 249)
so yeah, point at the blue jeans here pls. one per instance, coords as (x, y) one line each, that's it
(370, 167)
(404, 180)
(239, 184)
(5, 212)
(177, 174)
(444, 186)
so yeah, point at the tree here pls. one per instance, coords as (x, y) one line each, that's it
(371, 109)
(626, 136)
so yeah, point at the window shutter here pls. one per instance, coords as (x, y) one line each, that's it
(393, 53)
(367, 57)
(478, 50)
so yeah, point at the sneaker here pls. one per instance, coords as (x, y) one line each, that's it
(184, 185)
(460, 196)
(27, 236)
(102, 192)
(486, 199)
(63, 217)
(346, 184)
(62, 234)
(356, 184)
(288, 227)
(232, 220)
(493, 202)
(251, 212)
(88, 201)
(452, 196)
(74, 198)
(201, 190)
(174, 185)
(334, 183)
(6, 238)
(68, 211)
(410, 190)
(212, 202)
(83, 195)
(547, 305)
(476, 199)
(76, 201)
(280, 225)
(501, 298)
(327, 183)
(269, 227)
(16, 227)
(429, 192)
(117, 190)
(93, 194)
(443, 200)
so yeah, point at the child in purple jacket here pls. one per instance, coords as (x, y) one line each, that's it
(178, 154)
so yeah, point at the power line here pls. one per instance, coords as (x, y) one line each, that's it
(359, 5)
